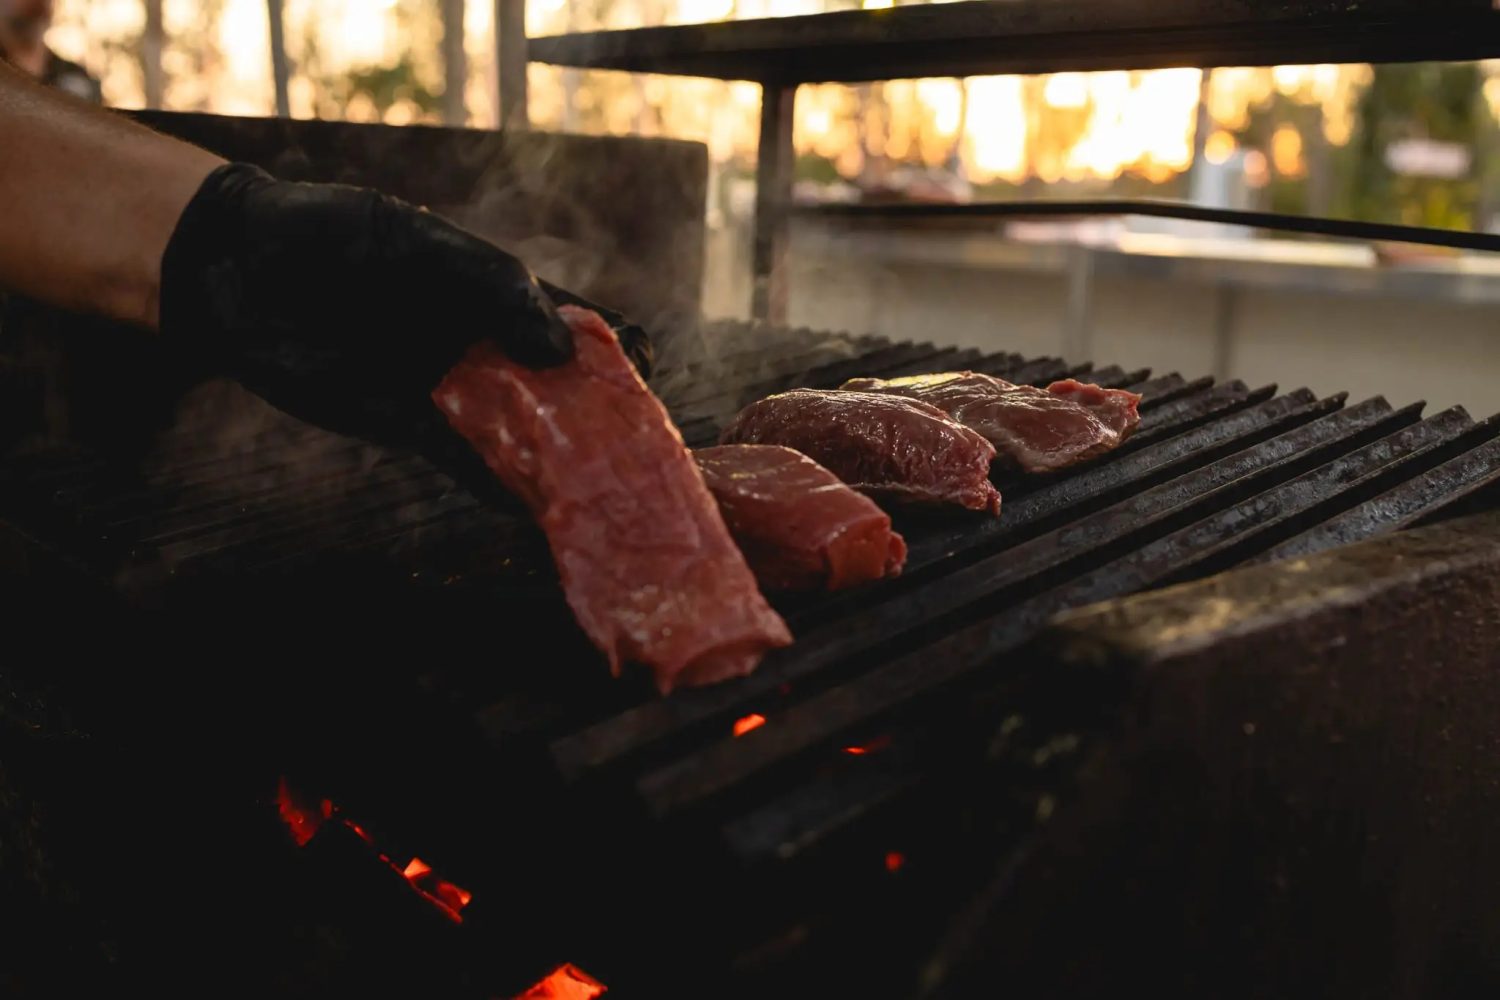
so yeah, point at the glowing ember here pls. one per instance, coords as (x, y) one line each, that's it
(894, 861)
(566, 982)
(749, 722)
(859, 750)
(304, 824)
(301, 822)
(440, 892)
(447, 897)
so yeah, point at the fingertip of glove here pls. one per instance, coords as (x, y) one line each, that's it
(542, 338)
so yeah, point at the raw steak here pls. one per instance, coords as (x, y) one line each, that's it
(1116, 407)
(1034, 430)
(796, 523)
(646, 562)
(884, 445)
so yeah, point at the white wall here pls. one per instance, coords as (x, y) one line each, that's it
(1403, 347)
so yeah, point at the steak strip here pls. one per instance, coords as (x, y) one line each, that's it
(797, 524)
(884, 445)
(1033, 430)
(645, 560)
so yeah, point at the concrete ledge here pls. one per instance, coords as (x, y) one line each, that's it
(1298, 793)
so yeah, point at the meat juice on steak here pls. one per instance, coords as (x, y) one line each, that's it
(1034, 430)
(884, 445)
(646, 562)
(799, 526)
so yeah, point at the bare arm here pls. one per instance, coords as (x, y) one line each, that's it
(88, 201)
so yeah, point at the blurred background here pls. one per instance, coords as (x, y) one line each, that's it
(1417, 144)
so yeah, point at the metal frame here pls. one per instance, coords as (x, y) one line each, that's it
(775, 163)
(1029, 36)
(1317, 225)
(510, 59)
(1078, 307)
(982, 37)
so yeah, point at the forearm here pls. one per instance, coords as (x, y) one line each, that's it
(88, 201)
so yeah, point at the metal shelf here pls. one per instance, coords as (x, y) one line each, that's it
(1027, 36)
(1316, 225)
(1039, 36)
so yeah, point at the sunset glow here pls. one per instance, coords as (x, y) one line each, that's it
(1068, 126)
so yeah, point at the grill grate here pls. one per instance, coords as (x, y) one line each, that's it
(292, 501)
(1216, 476)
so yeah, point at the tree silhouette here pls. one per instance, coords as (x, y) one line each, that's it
(1438, 101)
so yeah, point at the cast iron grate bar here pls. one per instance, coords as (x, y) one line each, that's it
(1193, 551)
(1215, 475)
(725, 393)
(986, 587)
(1438, 488)
(1100, 485)
(1158, 509)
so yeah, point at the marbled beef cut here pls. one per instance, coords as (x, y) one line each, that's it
(1118, 408)
(884, 445)
(1034, 430)
(645, 560)
(797, 524)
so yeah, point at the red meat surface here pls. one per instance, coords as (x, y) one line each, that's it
(1034, 430)
(797, 524)
(645, 559)
(884, 445)
(1118, 408)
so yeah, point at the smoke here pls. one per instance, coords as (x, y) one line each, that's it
(618, 221)
(726, 364)
(621, 221)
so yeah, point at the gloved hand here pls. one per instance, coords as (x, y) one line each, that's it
(635, 341)
(341, 305)
(345, 307)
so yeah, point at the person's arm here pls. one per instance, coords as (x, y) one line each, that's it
(338, 304)
(88, 201)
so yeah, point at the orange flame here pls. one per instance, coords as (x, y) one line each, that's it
(894, 861)
(752, 721)
(566, 982)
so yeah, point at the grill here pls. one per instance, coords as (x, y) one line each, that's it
(829, 812)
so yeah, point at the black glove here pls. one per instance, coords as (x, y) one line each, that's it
(634, 339)
(345, 308)
(341, 305)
